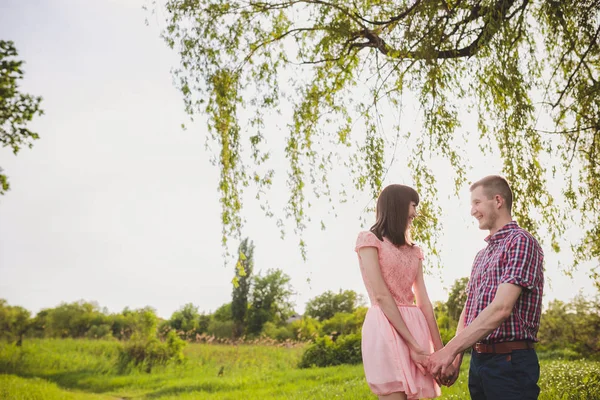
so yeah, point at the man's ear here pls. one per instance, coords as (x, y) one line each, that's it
(499, 201)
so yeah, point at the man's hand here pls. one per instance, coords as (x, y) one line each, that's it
(446, 379)
(451, 373)
(450, 379)
(439, 363)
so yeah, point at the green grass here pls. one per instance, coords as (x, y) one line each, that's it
(85, 369)
(16, 388)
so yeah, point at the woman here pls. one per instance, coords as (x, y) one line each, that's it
(397, 335)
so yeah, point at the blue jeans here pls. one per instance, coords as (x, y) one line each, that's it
(511, 376)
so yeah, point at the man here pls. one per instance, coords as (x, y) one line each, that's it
(501, 316)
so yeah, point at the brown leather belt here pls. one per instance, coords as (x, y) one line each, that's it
(503, 347)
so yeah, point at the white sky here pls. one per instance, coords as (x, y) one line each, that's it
(116, 204)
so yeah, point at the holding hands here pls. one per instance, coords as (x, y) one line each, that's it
(444, 368)
(442, 365)
(421, 359)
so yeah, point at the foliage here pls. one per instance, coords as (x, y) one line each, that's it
(324, 306)
(344, 69)
(241, 289)
(103, 331)
(325, 352)
(457, 298)
(69, 319)
(220, 329)
(572, 326)
(344, 323)
(148, 353)
(223, 313)
(14, 387)
(14, 321)
(270, 300)
(447, 313)
(279, 333)
(16, 109)
(78, 320)
(558, 354)
(446, 324)
(187, 322)
(142, 323)
(575, 380)
(85, 367)
(185, 319)
(306, 328)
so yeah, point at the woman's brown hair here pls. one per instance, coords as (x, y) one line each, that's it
(392, 213)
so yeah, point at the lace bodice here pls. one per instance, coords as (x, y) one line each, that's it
(399, 266)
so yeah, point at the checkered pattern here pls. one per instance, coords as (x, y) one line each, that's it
(511, 256)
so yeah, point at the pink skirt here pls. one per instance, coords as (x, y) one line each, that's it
(386, 358)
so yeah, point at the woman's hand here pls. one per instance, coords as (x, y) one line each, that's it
(421, 359)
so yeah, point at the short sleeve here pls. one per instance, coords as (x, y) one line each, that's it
(367, 239)
(419, 253)
(524, 262)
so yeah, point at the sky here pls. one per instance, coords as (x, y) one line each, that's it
(117, 204)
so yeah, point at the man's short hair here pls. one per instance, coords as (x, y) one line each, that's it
(495, 185)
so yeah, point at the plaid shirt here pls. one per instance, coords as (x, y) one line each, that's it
(511, 256)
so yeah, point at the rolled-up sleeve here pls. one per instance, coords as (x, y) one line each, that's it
(524, 262)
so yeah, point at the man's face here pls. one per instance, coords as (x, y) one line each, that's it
(483, 209)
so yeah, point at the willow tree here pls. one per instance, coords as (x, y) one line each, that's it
(336, 64)
(17, 109)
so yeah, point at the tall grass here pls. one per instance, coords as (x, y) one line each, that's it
(16, 388)
(85, 369)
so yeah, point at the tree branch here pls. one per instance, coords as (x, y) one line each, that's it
(497, 13)
(581, 60)
(398, 17)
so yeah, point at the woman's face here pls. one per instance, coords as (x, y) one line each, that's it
(412, 212)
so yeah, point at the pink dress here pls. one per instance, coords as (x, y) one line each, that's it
(386, 359)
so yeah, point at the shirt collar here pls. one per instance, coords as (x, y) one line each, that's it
(502, 232)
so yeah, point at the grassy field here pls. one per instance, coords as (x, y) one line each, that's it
(82, 369)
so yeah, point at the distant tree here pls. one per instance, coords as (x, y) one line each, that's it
(71, 319)
(39, 324)
(139, 323)
(143, 323)
(16, 109)
(186, 320)
(14, 321)
(342, 324)
(241, 287)
(270, 300)
(446, 324)
(223, 313)
(203, 322)
(306, 328)
(326, 305)
(574, 325)
(457, 298)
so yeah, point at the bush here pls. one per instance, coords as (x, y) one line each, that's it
(348, 349)
(562, 354)
(306, 329)
(220, 329)
(345, 323)
(447, 335)
(99, 332)
(279, 333)
(150, 352)
(325, 352)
